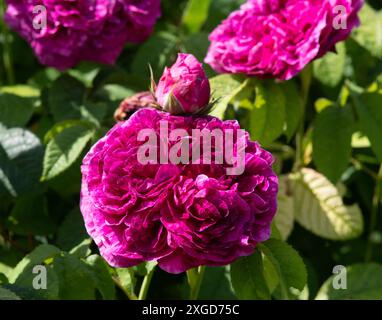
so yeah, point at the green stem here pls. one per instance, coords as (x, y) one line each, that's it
(374, 215)
(145, 285)
(306, 80)
(7, 54)
(195, 278)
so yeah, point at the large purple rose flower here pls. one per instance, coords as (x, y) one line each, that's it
(278, 38)
(181, 215)
(94, 30)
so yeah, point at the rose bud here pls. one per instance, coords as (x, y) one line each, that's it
(184, 88)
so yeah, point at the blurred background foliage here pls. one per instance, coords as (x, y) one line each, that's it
(327, 143)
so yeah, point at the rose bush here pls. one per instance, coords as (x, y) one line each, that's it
(323, 128)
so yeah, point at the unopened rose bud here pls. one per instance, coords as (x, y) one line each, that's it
(184, 88)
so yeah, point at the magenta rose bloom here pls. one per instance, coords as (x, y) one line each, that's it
(183, 88)
(278, 38)
(181, 215)
(94, 30)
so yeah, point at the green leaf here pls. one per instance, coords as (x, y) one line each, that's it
(63, 150)
(52, 282)
(332, 156)
(37, 256)
(72, 231)
(195, 15)
(157, 52)
(85, 72)
(21, 90)
(76, 278)
(284, 217)
(369, 109)
(329, 70)
(6, 294)
(322, 103)
(216, 284)
(115, 92)
(61, 126)
(293, 107)
(248, 279)
(224, 88)
(21, 156)
(30, 216)
(127, 281)
(26, 293)
(219, 10)
(197, 44)
(101, 276)
(359, 140)
(268, 112)
(144, 268)
(15, 110)
(64, 98)
(368, 34)
(320, 209)
(82, 250)
(287, 263)
(363, 281)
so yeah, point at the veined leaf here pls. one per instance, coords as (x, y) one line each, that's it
(363, 282)
(331, 156)
(101, 276)
(64, 148)
(21, 155)
(293, 107)
(15, 110)
(369, 33)
(156, 52)
(224, 88)
(195, 15)
(287, 263)
(76, 279)
(247, 277)
(65, 97)
(329, 69)
(268, 112)
(320, 209)
(284, 217)
(369, 109)
(37, 256)
(6, 294)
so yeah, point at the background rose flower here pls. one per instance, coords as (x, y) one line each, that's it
(82, 30)
(187, 83)
(278, 38)
(182, 216)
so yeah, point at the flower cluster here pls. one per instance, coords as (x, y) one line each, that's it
(278, 38)
(94, 30)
